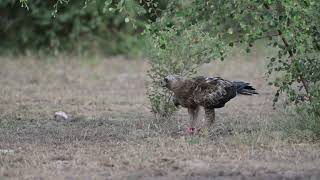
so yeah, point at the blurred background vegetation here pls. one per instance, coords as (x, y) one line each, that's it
(53, 27)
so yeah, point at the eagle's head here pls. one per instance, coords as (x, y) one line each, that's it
(171, 81)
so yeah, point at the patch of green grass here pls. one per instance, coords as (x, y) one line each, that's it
(299, 127)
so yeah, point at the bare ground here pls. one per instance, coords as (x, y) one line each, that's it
(112, 134)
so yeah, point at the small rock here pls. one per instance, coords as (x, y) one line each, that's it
(60, 115)
(6, 151)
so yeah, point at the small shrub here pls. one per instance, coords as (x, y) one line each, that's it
(179, 54)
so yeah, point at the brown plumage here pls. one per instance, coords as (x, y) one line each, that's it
(208, 92)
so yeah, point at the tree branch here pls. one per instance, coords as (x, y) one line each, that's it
(291, 58)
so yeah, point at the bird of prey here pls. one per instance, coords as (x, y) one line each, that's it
(208, 92)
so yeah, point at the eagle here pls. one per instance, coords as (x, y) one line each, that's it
(207, 92)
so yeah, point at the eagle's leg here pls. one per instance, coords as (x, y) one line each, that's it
(210, 116)
(193, 114)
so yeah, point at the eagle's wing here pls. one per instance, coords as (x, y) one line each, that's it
(213, 92)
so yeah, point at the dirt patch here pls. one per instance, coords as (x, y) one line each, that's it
(112, 134)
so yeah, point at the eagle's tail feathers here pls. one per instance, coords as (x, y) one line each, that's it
(244, 88)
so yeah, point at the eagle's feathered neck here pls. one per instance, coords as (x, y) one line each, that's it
(183, 86)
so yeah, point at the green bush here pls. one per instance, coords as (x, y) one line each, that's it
(291, 27)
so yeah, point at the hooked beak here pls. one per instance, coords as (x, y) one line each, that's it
(164, 82)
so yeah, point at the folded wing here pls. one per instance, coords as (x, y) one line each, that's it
(213, 92)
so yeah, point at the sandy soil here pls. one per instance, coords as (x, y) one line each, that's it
(111, 133)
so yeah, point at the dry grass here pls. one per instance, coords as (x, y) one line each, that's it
(112, 134)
